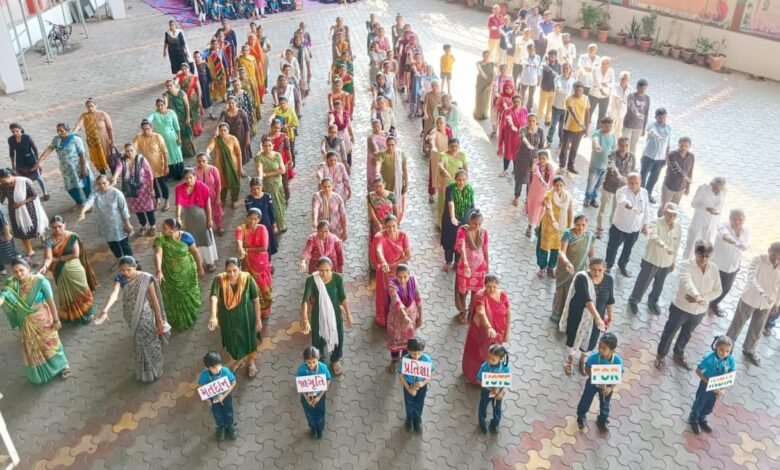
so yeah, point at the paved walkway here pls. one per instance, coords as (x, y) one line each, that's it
(102, 417)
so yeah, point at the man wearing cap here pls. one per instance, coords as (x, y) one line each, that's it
(631, 217)
(637, 111)
(761, 297)
(660, 254)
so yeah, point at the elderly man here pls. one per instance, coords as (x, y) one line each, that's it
(637, 112)
(494, 23)
(679, 173)
(761, 297)
(631, 217)
(707, 204)
(568, 51)
(521, 52)
(660, 254)
(699, 283)
(620, 163)
(731, 241)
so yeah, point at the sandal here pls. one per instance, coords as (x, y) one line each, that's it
(65, 373)
(582, 365)
(599, 233)
(753, 358)
(446, 267)
(528, 232)
(682, 361)
(515, 202)
(567, 366)
(659, 362)
(336, 366)
(251, 370)
(462, 317)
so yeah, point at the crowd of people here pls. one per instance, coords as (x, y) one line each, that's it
(168, 298)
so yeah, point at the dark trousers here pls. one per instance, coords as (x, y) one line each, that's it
(161, 187)
(683, 322)
(233, 194)
(650, 171)
(726, 282)
(588, 394)
(556, 124)
(649, 273)
(617, 238)
(143, 217)
(414, 405)
(484, 401)
(75, 193)
(602, 104)
(451, 256)
(223, 414)
(570, 143)
(703, 404)
(519, 185)
(176, 172)
(315, 415)
(121, 248)
(335, 355)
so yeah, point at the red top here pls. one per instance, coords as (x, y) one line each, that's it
(494, 22)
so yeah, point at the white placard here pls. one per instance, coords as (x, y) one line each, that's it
(212, 389)
(497, 379)
(606, 374)
(721, 381)
(416, 368)
(311, 383)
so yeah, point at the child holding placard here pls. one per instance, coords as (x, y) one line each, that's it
(221, 404)
(605, 355)
(314, 402)
(717, 362)
(497, 363)
(415, 386)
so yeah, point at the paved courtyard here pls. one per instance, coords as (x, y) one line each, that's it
(102, 418)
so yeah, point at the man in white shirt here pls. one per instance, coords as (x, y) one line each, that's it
(631, 217)
(707, 204)
(699, 284)
(731, 241)
(761, 297)
(568, 52)
(665, 235)
(587, 64)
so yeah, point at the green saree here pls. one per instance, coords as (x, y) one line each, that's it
(180, 289)
(177, 102)
(236, 314)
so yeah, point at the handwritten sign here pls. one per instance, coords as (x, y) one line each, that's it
(721, 381)
(500, 380)
(212, 389)
(311, 383)
(416, 368)
(606, 374)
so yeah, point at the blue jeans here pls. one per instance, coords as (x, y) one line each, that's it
(484, 400)
(315, 415)
(588, 394)
(595, 178)
(75, 193)
(703, 404)
(223, 414)
(556, 124)
(414, 405)
(771, 322)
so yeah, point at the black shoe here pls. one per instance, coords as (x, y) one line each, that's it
(625, 272)
(319, 434)
(705, 426)
(220, 435)
(580, 423)
(494, 428)
(654, 308)
(602, 424)
(651, 199)
(594, 204)
(633, 307)
(483, 428)
(408, 425)
(573, 171)
(695, 427)
(418, 427)
(231, 434)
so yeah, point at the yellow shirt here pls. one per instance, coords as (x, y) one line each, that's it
(580, 106)
(446, 63)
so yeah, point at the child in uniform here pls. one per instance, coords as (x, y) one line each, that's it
(719, 361)
(314, 403)
(222, 404)
(605, 355)
(497, 363)
(415, 388)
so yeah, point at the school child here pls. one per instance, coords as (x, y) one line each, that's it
(719, 361)
(314, 403)
(605, 355)
(222, 404)
(415, 388)
(447, 60)
(497, 363)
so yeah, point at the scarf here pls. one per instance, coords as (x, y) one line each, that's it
(62, 143)
(462, 198)
(562, 201)
(398, 173)
(23, 217)
(230, 298)
(327, 318)
(231, 174)
(586, 316)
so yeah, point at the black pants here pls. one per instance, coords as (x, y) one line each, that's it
(649, 273)
(726, 282)
(451, 256)
(121, 248)
(570, 142)
(176, 172)
(649, 172)
(602, 103)
(161, 187)
(143, 217)
(617, 238)
(683, 322)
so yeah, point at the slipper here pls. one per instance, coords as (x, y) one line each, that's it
(65, 374)
(659, 363)
(582, 365)
(568, 366)
(462, 318)
(251, 370)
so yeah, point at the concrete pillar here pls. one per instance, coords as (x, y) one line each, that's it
(11, 79)
(117, 9)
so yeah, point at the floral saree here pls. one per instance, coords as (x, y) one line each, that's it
(180, 289)
(75, 280)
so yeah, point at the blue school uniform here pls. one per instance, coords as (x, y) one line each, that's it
(485, 398)
(315, 415)
(590, 390)
(414, 403)
(711, 366)
(223, 412)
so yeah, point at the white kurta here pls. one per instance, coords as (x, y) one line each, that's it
(704, 225)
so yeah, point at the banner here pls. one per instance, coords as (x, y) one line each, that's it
(311, 383)
(606, 374)
(498, 380)
(416, 368)
(212, 389)
(721, 381)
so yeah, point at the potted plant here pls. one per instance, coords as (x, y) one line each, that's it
(633, 33)
(703, 48)
(621, 36)
(589, 19)
(718, 58)
(687, 55)
(676, 50)
(603, 23)
(648, 26)
(666, 48)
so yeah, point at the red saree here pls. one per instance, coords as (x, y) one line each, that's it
(477, 341)
(392, 251)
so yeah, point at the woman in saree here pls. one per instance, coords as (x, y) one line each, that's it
(303, 56)
(381, 203)
(385, 114)
(473, 262)
(248, 62)
(241, 91)
(339, 117)
(194, 214)
(240, 124)
(488, 324)
(227, 158)
(459, 202)
(391, 166)
(113, 216)
(337, 172)
(178, 265)
(262, 201)
(587, 312)
(209, 175)
(327, 205)
(437, 142)
(273, 171)
(349, 88)
(280, 144)
(333, 143)
(322, 243)
(144, 312)
(28, 219)
(67, 260)
(337, 93)
(556, 217)
(190, 83)
(486, 73)
(217, 64)
(29, 305)
(449, 163)
(99, 133)
(175, 47)
(252, 240)
(74, 167)
(205, 79)
(542, 175)
(235, 310)
(166, 123)
(329, 311)
(228, 49)
(531, 143)
(260, 67)
(133, 170)
(512, 120)
(177, 100)
(404, 314)
(376, 143)
(577, 247)
(392, 249)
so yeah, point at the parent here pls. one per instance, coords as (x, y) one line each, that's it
(320, 244)
(473, 263)
(252, 241)
(489, 324)
(113, 217)
(577, 248)
(28, 219)
(392, 248)
(74, 167)
(194, 214)
(99, 133)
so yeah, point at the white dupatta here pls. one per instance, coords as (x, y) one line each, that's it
(23, 218)
(328, 330)
(586, 321)
(398, 172)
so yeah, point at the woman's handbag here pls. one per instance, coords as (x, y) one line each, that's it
(131, 186)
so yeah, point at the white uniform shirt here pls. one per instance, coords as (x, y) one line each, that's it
(726, 256)
(586, 76)
(631, 220)
(663, 238)
(694, 282)
(763, 284)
